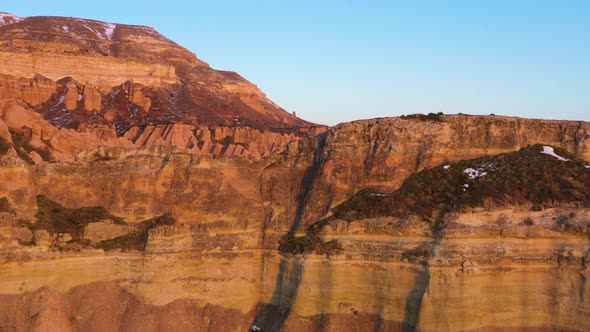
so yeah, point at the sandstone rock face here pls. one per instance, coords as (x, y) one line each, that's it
(114, 80)
(383, 152)
(69, 144)
(169, 83)
(229, 209)
(142, 190)
(33, 91)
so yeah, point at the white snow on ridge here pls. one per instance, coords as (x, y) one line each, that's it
(109, 30)
(475, 173)
(4, 16)
(587, 166)
(550, 151)
(447, 166)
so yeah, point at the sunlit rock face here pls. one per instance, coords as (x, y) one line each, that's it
(142, 190)
(82, 73)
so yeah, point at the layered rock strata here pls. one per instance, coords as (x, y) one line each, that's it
(381, 258)
(165, 82)
(133, 173)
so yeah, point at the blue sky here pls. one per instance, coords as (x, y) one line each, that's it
(335, 61)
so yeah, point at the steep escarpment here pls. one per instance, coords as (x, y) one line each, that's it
(80, 73)
(382, 153)
(169, 82)
(505, 216)
(199, 175)
(536, 176)
(449, 229)
(27, 131)
(141, 189)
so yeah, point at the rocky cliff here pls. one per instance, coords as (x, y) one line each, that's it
(398, 267)
(125, 79)
(187, 198)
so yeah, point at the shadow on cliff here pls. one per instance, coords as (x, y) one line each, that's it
(309, 178)
(272, 316)
(416, 295)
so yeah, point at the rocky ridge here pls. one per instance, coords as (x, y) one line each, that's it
(208, 196)
(179, 191)
(80, 74)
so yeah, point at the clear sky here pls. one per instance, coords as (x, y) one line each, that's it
(335, 61)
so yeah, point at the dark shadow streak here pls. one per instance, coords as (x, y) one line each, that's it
(272, 316)
(311, 174)
(415, 297)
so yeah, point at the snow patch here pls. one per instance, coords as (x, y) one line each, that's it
(6, 18)
(238, 121)
(489, 165)
(587, 166)
(550, 151)
(109, 30)
(255, 328)
(465, 186)
(107, 34)
(475, 173)
(447, 166)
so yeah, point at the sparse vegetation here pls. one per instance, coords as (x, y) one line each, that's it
(137, 240)
(427, 117)
(5, 205)
(524, 177)
(57, 219)
(420, 253)
(4, 146)
(309, 243)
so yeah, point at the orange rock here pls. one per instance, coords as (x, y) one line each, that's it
(106, 56)
(71, 98)
(35, 157)
(33, 91)
(4, 133)
(110, 116)
(137, 97)
(92, 98)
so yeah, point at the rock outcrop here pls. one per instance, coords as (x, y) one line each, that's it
(231, 208)
(169, 84)
(142, 190)
(382, 153)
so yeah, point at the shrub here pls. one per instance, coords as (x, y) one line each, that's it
(526, 177)
(422, 117)
(4, 146)
(55, 218)
(137, 240)
(5, 205)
